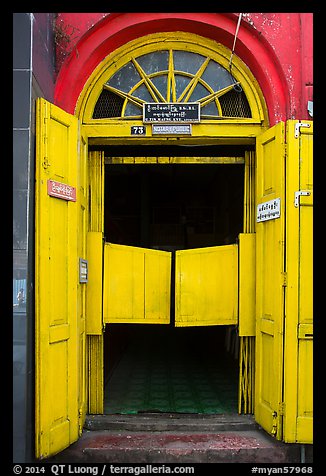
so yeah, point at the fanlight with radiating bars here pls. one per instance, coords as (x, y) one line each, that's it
(171, 75)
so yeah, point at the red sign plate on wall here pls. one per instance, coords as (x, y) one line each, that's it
(61, 190)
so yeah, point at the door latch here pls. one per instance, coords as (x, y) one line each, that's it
(298, 126)
(298, 194)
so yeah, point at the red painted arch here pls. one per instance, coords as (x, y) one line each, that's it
(114, 30)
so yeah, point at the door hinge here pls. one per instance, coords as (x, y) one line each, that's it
(281, 408)
(284, 278)
(298, 194)
(274, 424)
(46, 163)
(297, 127)
(80, 421)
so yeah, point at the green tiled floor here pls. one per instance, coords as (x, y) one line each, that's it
(165, 372)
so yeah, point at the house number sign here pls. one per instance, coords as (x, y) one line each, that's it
(269, 210)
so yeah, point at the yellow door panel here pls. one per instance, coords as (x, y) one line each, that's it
(59, 298)
(247, 284)
(206, 286)
(94, 323)
(298, 386)
(94, 296)
(137, 284)
(270, 236)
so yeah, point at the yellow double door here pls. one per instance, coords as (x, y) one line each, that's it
(137, 282)
(137, 285)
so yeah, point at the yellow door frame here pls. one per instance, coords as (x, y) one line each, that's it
(220, 131)
(244, 315)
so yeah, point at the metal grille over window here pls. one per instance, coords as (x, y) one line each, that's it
(172, 76)
(108, 105)
(234, 104)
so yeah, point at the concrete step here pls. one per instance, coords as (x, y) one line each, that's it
(182, 439)
(171, 422)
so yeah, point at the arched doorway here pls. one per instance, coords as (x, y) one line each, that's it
(158, 71)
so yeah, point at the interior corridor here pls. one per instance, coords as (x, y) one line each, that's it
(157, 368)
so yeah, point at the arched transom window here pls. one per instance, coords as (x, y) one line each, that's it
(171, 75)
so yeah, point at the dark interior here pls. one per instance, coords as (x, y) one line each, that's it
(173, 207)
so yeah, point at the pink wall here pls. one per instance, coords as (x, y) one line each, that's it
(277, 47)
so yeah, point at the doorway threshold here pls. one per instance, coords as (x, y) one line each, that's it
(170, 422)
(178, 439)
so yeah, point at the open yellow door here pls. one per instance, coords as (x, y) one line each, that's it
(206, 286)
(270, 278)
(137, 284)
(59, 314)
(298, 358)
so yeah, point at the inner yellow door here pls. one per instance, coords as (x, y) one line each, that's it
(270, 279)
(206, 286)
(59, 295)
(137, 283)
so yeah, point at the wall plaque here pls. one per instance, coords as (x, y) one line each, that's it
(171, 112)
(61, 190)
(171, 129)
(269, 210)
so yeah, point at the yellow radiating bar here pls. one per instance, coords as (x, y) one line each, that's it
(212, 96)
(154, 92)
(193, 83)
(135, 100)
(171, 80)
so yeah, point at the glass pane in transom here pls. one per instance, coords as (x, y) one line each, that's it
(216, 76)
(187, 61)
(125, 78)
(154, 62)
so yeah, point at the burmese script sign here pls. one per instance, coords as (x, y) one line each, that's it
(171, 112)
(61, 190)
(269, 210)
